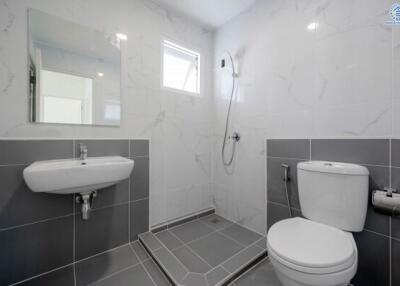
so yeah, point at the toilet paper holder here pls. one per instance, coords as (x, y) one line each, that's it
(387, 201)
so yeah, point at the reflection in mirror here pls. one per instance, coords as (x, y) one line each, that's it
(74, 73)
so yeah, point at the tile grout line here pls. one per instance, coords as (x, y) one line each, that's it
(36, 222)
(142, 264)
(114, 274)
(129, 195)
(153, 257)
(41, 274)
(191, 250)
(228, 237)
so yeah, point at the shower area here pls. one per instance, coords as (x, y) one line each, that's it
(217, 245)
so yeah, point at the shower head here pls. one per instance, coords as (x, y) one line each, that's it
(222, 63)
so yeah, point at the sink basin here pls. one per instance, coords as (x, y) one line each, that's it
(77, 176)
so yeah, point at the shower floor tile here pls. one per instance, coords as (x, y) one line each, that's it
(207, 251)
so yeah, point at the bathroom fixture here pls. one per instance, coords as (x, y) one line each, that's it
(83, 152)
(333, 198)
(70, 90)
(235, 135)
(286, 180)
(387, 201)
(76, 176)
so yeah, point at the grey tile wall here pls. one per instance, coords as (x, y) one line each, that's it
(41, 232)
(379, 243)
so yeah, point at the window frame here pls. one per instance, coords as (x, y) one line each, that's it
(185, 47)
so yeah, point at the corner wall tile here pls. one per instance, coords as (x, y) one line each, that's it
(28, 151)
(139, 148)
(34, 249)
(19, 205)
(112, 195)
(106, 228)
(395, 262)
(276, 191)
(277, 212)
(373, 259)
(139, 218)
(140, 177)
(395, 152)
(357, 151)
(98, 148)
(376, 221)
(289, 148)
(395, 221)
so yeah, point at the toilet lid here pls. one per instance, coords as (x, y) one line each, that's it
(310, 244)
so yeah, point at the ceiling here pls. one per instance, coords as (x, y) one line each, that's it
(211, 13)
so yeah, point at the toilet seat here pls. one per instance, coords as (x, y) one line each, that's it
(310, 247)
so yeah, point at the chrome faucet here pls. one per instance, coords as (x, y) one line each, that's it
(83, 152)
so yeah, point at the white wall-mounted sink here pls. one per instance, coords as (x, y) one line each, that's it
(77, 176)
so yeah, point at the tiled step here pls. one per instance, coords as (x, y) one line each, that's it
(204, 252)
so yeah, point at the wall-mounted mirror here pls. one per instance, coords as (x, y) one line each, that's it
(74, 73)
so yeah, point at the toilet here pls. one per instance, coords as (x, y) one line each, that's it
(319, 249)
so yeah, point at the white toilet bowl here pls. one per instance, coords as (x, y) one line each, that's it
(308, 253)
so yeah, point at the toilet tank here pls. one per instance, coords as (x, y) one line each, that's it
(334, 193)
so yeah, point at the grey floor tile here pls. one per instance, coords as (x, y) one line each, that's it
(171, 264)
(107, 228)
(216, 275)
(34, 249)
(262, 274)
(241, 234)
(216, 222)
(215, 248)
(192, 262)
(262, 243)
(135, 276)
(289, 148)
(140, 252)
(150, 240)
(182, 221)
(243, 258)
(155, 273)
(191, 231)
(60, 277)
(194, 279)
(168, 239)
(100, 266)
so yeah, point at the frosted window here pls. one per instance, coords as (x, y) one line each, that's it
(181, 68)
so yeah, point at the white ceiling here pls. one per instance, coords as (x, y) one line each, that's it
(212, 13)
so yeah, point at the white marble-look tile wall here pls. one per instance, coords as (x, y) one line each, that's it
(177, 124)
(307, 68)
